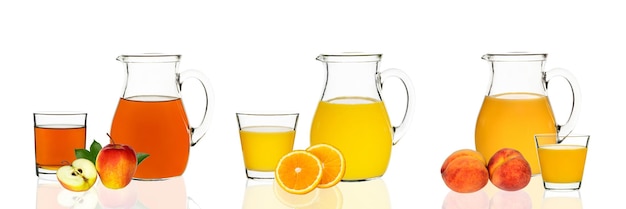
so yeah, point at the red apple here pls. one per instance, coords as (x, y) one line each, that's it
(116, 165)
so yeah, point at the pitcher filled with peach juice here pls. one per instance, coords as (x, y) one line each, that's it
(504, 115)
(517, 106)
(353, 117)
(151, 116)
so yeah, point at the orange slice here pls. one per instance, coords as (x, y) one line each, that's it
(298, 172)
(333, 164)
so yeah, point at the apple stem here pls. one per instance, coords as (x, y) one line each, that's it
(111, 139)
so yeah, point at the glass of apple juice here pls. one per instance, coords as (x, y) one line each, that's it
(57, 135)
(562, 160)
(265, 138)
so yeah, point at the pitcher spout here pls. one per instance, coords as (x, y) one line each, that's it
(320, 58)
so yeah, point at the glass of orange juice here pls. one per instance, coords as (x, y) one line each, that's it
(57, 135)
(265, 138)
(562, 160)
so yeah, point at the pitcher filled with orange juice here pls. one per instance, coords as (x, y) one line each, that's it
(150, 115)
(517, 107)
(352, 115)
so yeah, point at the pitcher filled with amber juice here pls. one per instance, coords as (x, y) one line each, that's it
(352, 115)
(517, 107)
(150, 115)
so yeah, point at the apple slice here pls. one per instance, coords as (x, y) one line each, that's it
(79, 176)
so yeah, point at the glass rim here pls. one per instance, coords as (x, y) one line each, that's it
(59, 113)
(564, 136)
(266, 114)
(576, 137)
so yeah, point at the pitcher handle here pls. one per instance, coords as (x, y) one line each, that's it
(400, 130)
(568, 127)
(198, 132)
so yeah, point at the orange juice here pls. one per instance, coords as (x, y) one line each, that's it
(512, 120)
(263, 146)
(360, 128)
(562, 163)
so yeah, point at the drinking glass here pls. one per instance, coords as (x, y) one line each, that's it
(57, 135)
(562, 160)
(265, 138)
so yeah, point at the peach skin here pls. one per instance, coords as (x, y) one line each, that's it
(462, 152)
(465, 174)
(509, 170)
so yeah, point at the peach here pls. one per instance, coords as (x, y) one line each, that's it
(465, 174)
(509, 170)
(462, 152)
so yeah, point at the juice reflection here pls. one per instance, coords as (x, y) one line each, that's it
(364, 194)
(535, 190)
(170, 193)
(260, 194)
(561, 199)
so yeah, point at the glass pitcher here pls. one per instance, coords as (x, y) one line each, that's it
(150, 116)
(352, 115)
(517, 107)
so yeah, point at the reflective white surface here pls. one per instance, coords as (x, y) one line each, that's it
(260, 56)
(260, 194)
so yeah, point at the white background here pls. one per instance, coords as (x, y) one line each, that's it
(260, 56)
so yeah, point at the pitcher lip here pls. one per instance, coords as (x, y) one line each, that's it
(148, 57)
(515, 56)
(349, 57)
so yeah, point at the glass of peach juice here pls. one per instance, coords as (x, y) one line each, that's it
(265, 138)
(57, 135)
(562, 160)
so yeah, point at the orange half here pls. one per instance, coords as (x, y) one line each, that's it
(298, 172)
(333, 164)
